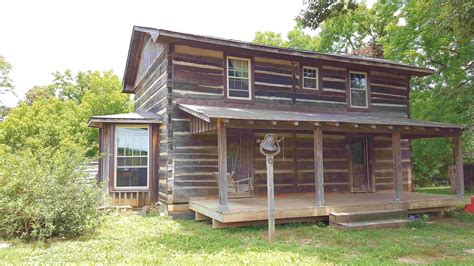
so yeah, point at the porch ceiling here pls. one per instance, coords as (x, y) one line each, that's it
(127, 118)
(371, 122)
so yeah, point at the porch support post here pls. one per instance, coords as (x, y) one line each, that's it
(318, 166)
(222, 158)
(397, 165)
(459, 165)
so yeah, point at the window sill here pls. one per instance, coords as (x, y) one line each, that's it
(359, 109)
(124, 189)
(243, 100)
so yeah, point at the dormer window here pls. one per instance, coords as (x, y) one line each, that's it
(310, 78)
(239, 78)
(358, 90)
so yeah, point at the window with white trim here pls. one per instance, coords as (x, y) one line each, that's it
(358, 90)
(238, 78)
(132, 151)
(310, 78)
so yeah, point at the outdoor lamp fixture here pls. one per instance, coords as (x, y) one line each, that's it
(270, 147)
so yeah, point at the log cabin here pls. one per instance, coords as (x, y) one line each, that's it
(202, 104)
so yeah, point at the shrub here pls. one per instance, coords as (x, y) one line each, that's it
(45, 194)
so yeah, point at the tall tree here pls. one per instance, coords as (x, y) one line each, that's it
(53, 115)
(6, 83)
(295, 39)
(38, 92)
(438, 34)
(317, 12)
(352, 30)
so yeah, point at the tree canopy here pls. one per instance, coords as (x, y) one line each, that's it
(316, 11)
(57, 114)
(5, 80)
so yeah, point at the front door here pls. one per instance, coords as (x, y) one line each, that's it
(358, 149)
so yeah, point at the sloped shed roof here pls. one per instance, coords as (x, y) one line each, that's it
(208, 112)
(127, 118)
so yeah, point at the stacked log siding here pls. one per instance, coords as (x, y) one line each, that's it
(188, 146)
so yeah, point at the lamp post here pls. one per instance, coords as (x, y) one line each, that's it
(270, 147)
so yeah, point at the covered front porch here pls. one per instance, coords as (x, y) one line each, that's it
(339, 162)
(299, 207)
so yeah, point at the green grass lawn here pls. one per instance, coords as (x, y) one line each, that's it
(129, 238)
(441, 190)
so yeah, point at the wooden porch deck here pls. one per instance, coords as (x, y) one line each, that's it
(301, 206)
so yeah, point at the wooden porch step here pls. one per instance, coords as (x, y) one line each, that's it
(369, 219)
(366, 216)
(390, 223)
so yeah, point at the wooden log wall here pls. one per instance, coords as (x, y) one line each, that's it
(152, 90)
(194, 159)
(152, 94)
(389, 92)
(199, 74)
(150, 51)
(187, 161)
(295, 171)
(165, 167)
(383, 163)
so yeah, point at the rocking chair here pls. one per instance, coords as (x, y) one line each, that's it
(237, 187)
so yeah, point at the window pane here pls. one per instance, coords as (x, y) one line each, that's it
(310, 78)
(238, 93)
(358, 81)
(132, 160)
(309, 83)
(238, 78)
(309, 73)
(132, 177)
(121, 162)
(358, 98)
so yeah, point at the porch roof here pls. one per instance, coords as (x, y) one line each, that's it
(126, 118)
(207, 113)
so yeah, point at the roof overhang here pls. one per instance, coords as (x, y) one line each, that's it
(127, 118)
(166, 36)
(172, 36)
(364, 122)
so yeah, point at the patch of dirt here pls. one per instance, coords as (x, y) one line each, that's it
(449, 220)
(415, 260)
(469, 251)
(4, 245)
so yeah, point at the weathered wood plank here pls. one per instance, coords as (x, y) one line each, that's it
(459, 165)
(222, 149)
(397, 166)
(318, 166)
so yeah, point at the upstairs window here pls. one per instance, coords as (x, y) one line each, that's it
(132, 157)
(358, 90)
(310, 78)
(238, 78)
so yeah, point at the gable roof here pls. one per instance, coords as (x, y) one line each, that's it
(168, 36)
